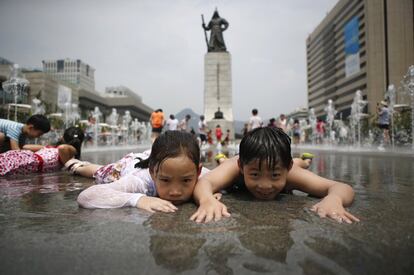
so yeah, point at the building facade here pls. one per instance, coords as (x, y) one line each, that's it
(127, 101)
(50, 90)
(73, 71)
(360, 45)
(58, 84)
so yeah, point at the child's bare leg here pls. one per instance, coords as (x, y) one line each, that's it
(81, 168)
(87, 170)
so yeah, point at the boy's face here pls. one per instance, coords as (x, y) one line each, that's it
(175, 179)
(32, 132)
(264, 183)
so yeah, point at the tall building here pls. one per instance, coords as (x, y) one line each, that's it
(360, 44)
(73, 71)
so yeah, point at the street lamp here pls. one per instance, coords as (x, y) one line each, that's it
(15, 86)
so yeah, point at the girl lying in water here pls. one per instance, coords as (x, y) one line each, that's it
(39, 158)
(156, 183)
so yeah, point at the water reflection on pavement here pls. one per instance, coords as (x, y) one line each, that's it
(42, 229)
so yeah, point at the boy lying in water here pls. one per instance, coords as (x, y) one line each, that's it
(266, 168)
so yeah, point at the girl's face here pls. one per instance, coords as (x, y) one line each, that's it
(264, 183)
(176, 178)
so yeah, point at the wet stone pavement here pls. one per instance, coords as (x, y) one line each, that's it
(43, 231)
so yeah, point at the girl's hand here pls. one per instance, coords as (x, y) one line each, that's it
(153, 204)
(331, 206)
(210, 210)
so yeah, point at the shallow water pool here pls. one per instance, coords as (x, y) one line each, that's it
(43, 231)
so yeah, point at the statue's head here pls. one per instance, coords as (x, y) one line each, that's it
(216, 14)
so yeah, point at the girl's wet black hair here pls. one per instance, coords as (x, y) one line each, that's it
(171, 144)
(270, 144)
(73, 136)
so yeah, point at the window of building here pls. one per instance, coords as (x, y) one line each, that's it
(60, 66)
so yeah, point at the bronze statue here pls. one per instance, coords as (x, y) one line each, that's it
(217, 26)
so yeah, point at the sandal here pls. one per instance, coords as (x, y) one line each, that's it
(305, 156)
(73, 164)
(219, 156)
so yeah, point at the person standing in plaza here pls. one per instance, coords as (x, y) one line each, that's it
(202, 129)
(282, 122)
(172, 123)
(157, 122)
(227, 138)
(320, 130)
(255, 120)
(183, 125)
(384, 123)
(219, 133)
(272, 122)
(296, 132)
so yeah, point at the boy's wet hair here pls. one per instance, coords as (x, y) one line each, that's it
(269, 144)
(73, 136)
(39, 122)
(171, 144)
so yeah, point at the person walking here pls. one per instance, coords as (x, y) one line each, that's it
(202, 129)
(255, 120)
(183, 125)
(157, 123)
(384, 123)
(172, 123)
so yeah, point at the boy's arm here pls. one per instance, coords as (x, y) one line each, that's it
(32, 147)
(335, 194)
(14, 144)
(66, 152)
(215, 180)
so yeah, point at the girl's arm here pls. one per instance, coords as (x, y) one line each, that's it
(32, 147)
(129, 191)
(217, 179)
(335, 194)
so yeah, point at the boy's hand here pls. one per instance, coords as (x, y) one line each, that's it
(331, 206)
(210, 210)
(153, 204)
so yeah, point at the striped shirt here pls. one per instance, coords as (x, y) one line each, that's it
(11, 129)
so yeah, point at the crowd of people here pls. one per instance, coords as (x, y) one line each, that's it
(302, 131)
(204, 134)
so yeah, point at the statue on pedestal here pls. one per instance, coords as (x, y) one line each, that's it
(218, 114)
(216, 26)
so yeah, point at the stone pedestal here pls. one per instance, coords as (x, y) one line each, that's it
(218, 90)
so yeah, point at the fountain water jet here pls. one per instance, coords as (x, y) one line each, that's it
(408, 86)
(96, 114)
(356, 114)
(16, 86)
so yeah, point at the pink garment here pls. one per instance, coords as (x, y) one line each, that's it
(26, 162)
(114, 171)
